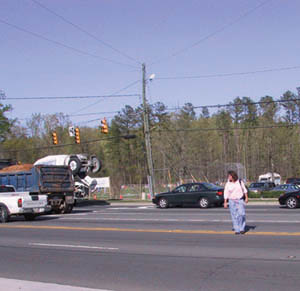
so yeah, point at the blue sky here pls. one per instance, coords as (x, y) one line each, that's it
(147, 31)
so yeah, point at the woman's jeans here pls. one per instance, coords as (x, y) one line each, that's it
(238, 214)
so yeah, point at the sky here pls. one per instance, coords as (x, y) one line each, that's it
(97, 47)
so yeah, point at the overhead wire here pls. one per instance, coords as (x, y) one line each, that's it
(215, 32)
(82, 52)
(238, 104)
(229, 74)
(63, 145)
(85, 31)
(116, 92)
(72, 97)
(225, 129)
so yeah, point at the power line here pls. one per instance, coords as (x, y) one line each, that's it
(85, 31)
(92, 113)
(64, 145)
(116, 92)
(224, 129)
(73, 97)
(238, 104)
(210, 35)
(62, 44)
(230, 74)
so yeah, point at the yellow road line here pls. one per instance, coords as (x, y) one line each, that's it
(53, 227)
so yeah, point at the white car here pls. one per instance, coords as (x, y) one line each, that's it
(21, 203)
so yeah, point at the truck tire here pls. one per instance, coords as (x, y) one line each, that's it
(63, 208)
(96, 164)
(4, 214)
(75, 165)
(29, 216)
(68, 208)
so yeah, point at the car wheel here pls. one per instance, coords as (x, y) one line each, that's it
(291, 203)
(163, 203)
(4, 216)
(203, 202)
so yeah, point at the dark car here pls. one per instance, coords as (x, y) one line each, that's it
(290, 199)
(293, 181)
(202, 194)
(287, 188)
(257, 187)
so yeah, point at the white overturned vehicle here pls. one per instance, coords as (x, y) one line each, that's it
(14, 203)
(80, 166)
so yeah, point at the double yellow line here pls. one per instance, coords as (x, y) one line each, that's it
(215, 232)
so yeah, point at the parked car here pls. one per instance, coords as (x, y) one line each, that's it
(290, 199)
(287, 188)
(202, 194)
(293, 181)
(257, 187)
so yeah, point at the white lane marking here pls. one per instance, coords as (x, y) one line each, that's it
(187, 214)
(73, 246)
(145, 207)
(131, 208)
(180, 220)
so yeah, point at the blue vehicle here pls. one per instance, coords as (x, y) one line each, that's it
(55, 181)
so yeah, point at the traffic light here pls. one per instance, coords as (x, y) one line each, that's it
(54, 138)
(77, 135)
(104, 126)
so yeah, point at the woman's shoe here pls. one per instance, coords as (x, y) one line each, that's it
(237, 232)
(242, 232)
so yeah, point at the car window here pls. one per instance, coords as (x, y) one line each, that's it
(211, 186)
(196, 188)
(7, 189)
(180, 189)
(256, 185)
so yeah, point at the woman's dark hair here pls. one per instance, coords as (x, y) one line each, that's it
(234, 175)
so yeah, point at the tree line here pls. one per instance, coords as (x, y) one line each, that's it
(187, 143)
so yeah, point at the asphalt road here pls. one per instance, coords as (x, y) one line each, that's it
(146, 248)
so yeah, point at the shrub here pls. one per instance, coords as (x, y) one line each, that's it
(266, 194)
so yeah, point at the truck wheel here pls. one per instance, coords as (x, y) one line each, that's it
(29, 216)
(75, 165)
(63, 208)
(68, 208)
(96, 164)
(4, 216)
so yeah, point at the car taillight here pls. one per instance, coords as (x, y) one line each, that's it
(220, 193)
(20, 202)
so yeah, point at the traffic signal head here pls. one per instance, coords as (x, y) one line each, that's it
(104, 126)
(77, 135)
(54, 138)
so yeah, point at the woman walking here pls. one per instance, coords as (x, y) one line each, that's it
(236, 193)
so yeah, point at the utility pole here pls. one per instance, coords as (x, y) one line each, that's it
(147, 135)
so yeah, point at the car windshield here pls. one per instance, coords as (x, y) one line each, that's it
(211, 186)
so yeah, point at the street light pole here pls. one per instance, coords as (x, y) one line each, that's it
(147, 135)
